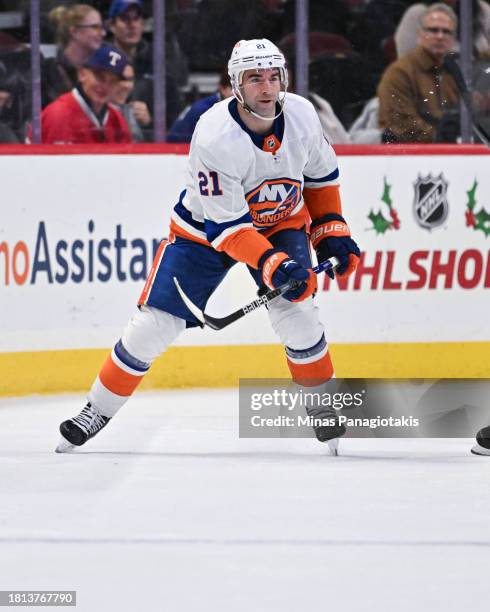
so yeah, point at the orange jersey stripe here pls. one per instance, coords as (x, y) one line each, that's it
(117, 380)
(151, 276)
(301, 219)
(322, 201)
(312, 374)
(176, 230)
(245, 245)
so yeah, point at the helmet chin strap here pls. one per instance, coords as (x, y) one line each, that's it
(246, 107)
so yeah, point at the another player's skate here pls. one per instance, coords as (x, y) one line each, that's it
(482, 446)
(79, 429)
(329, 433)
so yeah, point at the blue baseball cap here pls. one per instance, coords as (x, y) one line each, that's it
(108, 58)
(118, 7)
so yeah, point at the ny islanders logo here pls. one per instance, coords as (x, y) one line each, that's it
(273, 200)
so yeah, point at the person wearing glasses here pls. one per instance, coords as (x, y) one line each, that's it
(406, 31)
(79, 32)
(415, 91)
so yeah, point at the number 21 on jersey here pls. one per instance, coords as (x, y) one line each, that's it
(204, 185)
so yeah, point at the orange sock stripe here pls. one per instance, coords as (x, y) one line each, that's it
(314, 373)
(151, 276)
(117, 380)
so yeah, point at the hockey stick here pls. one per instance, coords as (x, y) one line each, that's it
(220, 323)
(454, 70)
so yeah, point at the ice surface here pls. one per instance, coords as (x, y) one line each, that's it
(167, 510)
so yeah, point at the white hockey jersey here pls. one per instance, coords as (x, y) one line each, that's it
(238, 179)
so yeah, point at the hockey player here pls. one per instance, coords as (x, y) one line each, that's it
(258, 170)
(482, 446)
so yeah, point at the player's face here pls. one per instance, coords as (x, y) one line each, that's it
(437, 34)
(260, 90)
(98, 85)
(90, 32)
(128, 27)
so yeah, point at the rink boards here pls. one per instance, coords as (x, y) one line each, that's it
(78, 234)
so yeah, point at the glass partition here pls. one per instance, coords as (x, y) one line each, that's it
(353, 52)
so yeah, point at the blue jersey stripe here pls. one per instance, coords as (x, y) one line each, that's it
(213, 230)
(324, 179)
(186, 215)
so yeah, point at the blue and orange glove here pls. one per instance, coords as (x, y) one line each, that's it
(279, 269)
(330, 237)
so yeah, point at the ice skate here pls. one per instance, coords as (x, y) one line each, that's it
(482, 446)
(79, 429)
(327, 432)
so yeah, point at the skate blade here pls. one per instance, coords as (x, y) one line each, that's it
(64, 446)
(333, 447)
(480, 450)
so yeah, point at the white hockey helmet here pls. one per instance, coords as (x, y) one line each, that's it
(256, 54)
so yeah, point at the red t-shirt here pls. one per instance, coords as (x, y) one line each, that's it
(70, 120)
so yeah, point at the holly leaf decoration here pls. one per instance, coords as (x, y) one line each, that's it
(482, 219)
(380, 223)
(472, 195)
(386, 197)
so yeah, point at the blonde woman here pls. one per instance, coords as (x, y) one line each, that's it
(79, 32)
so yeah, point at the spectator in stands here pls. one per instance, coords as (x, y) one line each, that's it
(406, 32)
(136, 113)
(183, 128)
(126, 23)
(83, 115)
(6, 134)
(79, 32)
(415, 91)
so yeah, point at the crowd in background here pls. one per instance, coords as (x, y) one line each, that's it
(375, 73)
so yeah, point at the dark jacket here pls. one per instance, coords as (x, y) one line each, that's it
(58, 76)
(184, 126)
(413, 94)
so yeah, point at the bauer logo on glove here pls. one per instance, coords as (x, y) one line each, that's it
(332, 228)
(330, 237)
(278, 269)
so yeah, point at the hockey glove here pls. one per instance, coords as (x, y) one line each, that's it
(330, 237)
(279, 269)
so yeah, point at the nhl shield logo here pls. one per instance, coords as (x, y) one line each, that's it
(430, 204)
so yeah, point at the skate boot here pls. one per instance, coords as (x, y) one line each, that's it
(79, 429)
(329, 433)
(482, 446)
